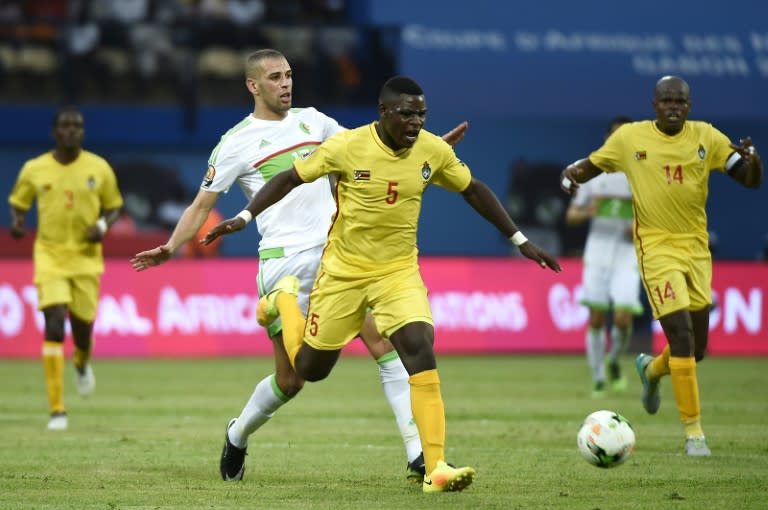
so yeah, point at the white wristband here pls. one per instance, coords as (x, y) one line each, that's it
(101, 224)
(566, 183)
(518, 238)
(245, 215)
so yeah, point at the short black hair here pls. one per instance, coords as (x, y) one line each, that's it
(397, 85)
(65, 109)
(253, 60)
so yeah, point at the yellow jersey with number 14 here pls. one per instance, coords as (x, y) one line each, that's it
(669, 177)
(379, 196)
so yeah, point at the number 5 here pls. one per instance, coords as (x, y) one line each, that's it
(391, 193)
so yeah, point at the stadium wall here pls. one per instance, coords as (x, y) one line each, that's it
(480, 306)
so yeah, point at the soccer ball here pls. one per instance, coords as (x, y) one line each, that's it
(605, 439)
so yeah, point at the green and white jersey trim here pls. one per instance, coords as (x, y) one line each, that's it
(254, 151)
(610, 230)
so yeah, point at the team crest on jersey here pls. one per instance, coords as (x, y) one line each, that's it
(702, 152)
(304, 127)
(426, 171)
(91, 182)
(640, 155)
(361, 175)
(209, 175)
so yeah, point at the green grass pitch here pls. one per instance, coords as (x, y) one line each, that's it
(151, 436)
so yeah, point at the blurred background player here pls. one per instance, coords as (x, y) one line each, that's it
(668, 162)
(610, 282)
(77, 201)
(293, 234)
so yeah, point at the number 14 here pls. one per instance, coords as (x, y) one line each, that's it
(674, 175)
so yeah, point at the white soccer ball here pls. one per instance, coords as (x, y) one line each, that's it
(605, 439)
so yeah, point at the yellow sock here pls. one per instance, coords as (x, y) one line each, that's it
(293, 324)
(429, 415)
(659, 366)
(686, 388)
(53, 367)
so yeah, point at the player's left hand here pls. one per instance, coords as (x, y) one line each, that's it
(745, 148)
(93, 234)
(544, 259)
(456, 134)
(17, 232)
(150, 258)
(225, 227)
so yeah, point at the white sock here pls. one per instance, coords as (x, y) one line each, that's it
(596, 353)
(394, 380)
(265, 400)
(619, 341)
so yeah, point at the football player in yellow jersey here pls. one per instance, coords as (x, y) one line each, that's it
(77, 201)
(370, 259)
(292, 238)
(667, 162)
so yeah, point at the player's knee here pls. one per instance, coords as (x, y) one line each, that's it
(54, 330)
(289, 384)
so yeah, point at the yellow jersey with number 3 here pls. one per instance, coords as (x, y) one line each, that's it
(379, 195)
(70, 198)
(669, 177)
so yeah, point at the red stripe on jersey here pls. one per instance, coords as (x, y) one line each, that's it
(289, 149)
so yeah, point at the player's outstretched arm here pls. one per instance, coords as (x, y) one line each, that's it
(190, 222)
(456, 134)
(484, 201)
(576, 173)
(748, 171)
(271, 193)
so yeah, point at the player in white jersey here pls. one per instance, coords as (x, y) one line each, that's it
(611, 282)
(293, 234)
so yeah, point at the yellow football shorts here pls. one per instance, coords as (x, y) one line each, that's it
(337, 306)
(676, 277)
(79, 293)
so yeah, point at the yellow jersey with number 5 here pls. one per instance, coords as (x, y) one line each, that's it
(669, 176)
(378, 195)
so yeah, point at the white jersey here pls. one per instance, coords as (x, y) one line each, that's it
(253, 152)
(610, 277)
(610, 230)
